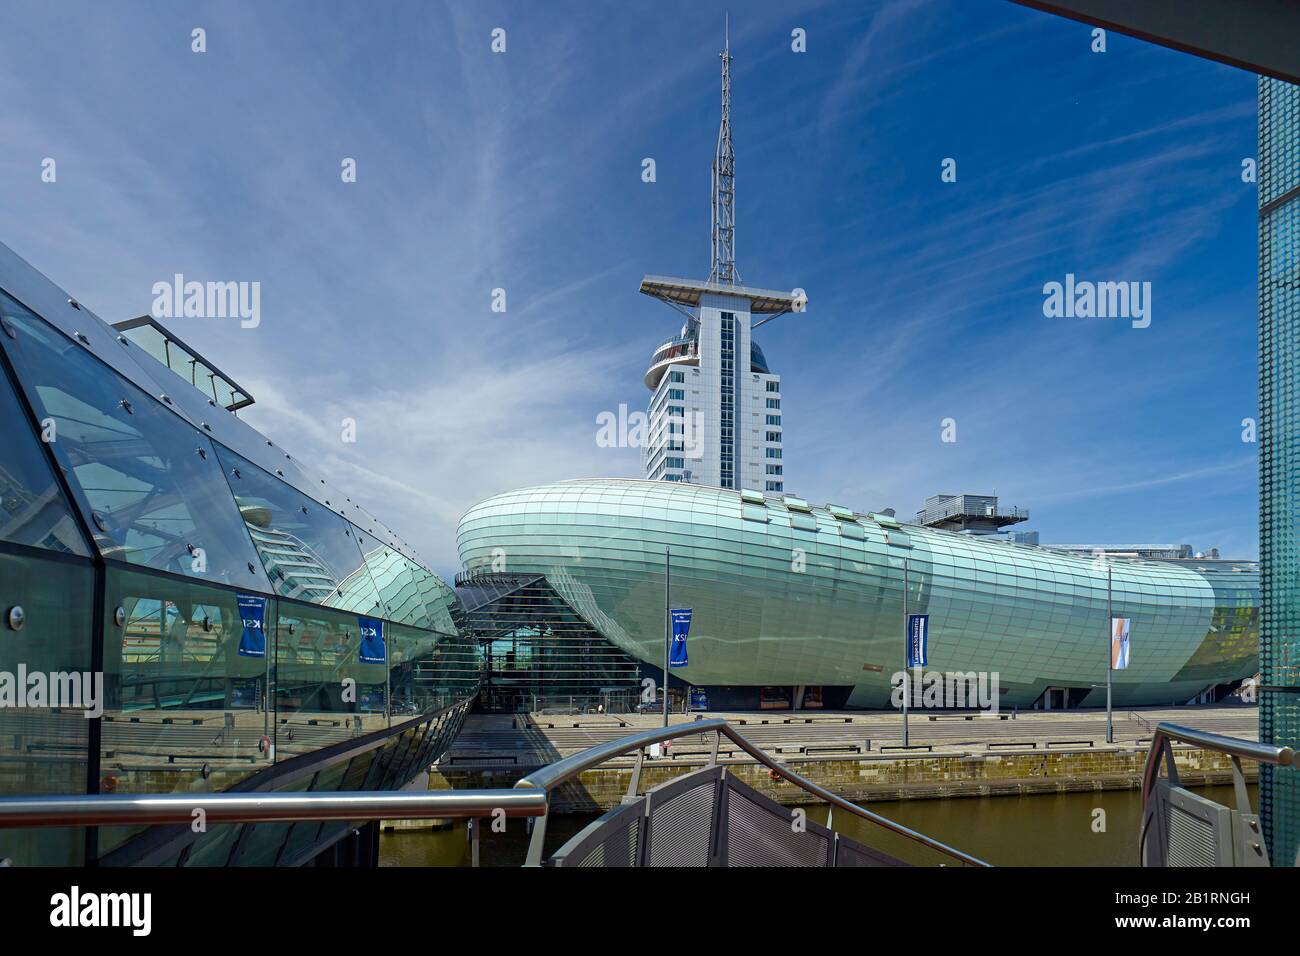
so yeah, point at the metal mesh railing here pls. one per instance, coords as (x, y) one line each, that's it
(709, 817)
(1182, 828)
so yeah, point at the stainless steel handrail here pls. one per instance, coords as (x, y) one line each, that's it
(550, 777)
(528, 798)
(139, 809)
(1166, 733)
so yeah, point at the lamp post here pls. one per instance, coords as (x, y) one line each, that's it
(1110, 625)
(668, 626)
(907, 675)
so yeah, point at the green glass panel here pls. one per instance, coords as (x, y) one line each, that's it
(428, 670)
(261, 842)
(324, 694)
(1279, 431)
(410, 594)
(213, 848)
(777, 605)
(43, 748)
(185, 703)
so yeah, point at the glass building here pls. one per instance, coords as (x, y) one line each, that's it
(1279, 425)
(787, 596)
(252, 626)
(537, 653)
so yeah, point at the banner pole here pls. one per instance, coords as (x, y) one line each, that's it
(1110, 628)
(907, 639)
(668, 626)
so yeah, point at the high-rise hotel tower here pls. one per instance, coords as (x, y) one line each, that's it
(715, 409)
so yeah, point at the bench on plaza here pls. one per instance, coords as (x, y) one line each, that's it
(838, 748)
(984, 714)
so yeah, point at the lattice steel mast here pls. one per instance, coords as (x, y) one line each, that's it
(724, 186)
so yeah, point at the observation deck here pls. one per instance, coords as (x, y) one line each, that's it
(685, 350)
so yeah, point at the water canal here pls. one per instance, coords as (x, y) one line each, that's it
(1040, 830)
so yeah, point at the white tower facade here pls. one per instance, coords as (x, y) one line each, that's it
(715, 409)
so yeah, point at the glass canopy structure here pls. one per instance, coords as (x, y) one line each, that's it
(537, 652)
(252, 626)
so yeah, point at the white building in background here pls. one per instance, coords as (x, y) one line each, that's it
(715, 410)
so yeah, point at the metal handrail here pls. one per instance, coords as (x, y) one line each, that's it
(1166, 734)
(141, 809)
(529, 798)
(550, 777)
(926, 515)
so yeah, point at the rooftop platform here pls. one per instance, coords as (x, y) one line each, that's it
(688, 292)
(167, 348)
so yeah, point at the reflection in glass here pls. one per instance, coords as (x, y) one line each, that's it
(43, 749)
(428, 671)
(323, 693)
(208, 678)
(309, 552)
(147, 482)
(411, 594)
(184, 710)
(32, 507)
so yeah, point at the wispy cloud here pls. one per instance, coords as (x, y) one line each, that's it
(522, 171)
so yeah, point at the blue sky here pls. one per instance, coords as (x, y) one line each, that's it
(522, 170)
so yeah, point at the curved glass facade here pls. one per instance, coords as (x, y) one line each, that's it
(787, 594)
(228, 610)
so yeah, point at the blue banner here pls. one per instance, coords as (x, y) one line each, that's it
(252, 612)
(681, 618)
(372, 640)
(918, 639)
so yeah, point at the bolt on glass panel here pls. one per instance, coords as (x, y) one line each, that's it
(33, 509)
(186, 703)
(148, 484)
(309, 553)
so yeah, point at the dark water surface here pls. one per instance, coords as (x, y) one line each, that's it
(1042, 830)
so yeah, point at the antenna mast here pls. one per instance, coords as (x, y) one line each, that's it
(724, 184)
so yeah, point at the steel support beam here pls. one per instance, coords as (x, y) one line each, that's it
(1262, 36)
